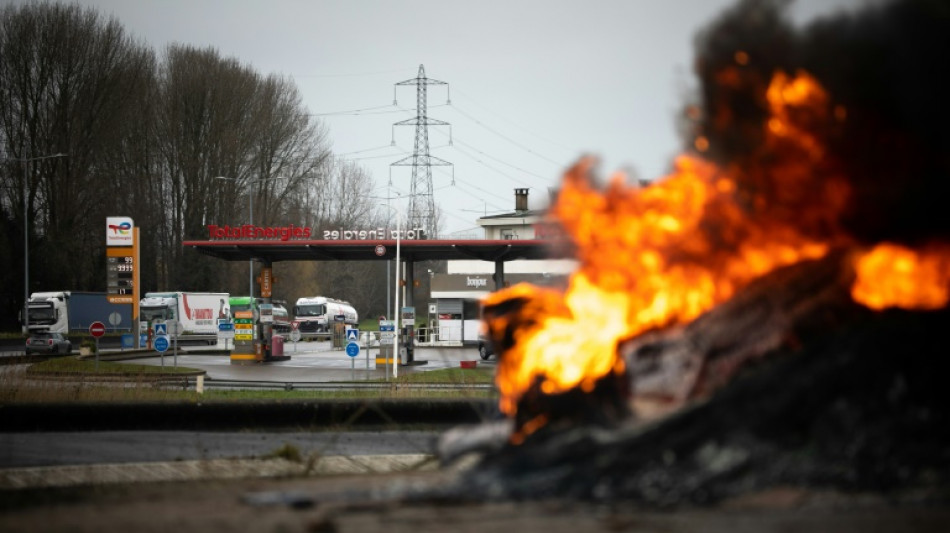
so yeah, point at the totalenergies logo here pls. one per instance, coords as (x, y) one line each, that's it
(119, 231)
(124, 228)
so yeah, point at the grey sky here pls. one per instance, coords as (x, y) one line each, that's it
(534, 84)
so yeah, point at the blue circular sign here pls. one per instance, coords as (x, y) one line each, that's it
(352, 349)
(160, 343)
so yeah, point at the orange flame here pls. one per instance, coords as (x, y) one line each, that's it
(662, 255)
(896, 276)
(650, 258)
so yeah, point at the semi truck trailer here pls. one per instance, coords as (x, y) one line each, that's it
(197, 313)
(73, 311)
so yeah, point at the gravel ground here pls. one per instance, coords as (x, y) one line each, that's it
(379, 502)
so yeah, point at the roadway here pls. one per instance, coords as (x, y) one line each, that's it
(310, 362)
(32, 449)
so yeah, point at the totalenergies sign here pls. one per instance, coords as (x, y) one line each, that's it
(119, 231)
(284, 233)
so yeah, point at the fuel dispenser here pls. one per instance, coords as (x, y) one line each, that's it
(248, 348)
(407, 336)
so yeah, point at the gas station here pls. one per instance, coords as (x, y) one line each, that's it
(406, 252)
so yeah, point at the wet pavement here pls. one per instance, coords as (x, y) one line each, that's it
(311, 361)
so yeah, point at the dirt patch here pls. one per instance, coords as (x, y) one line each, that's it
(390, 503)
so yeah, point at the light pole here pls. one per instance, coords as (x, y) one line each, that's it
(26, 234)
(250, 208)
(396, 293)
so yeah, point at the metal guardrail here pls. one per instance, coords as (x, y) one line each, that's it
(190, 382)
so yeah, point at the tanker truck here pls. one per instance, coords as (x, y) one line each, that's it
(317, 314)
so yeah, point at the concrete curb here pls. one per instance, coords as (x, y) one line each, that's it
(219, 416)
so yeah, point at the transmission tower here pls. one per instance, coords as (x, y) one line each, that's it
(421, 200)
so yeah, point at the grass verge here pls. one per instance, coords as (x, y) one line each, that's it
(75, 366)
(70, 379)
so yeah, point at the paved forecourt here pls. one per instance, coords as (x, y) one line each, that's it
(312, 361)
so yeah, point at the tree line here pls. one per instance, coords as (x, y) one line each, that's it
(95, 123)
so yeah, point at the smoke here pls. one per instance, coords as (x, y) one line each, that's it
(886, 132)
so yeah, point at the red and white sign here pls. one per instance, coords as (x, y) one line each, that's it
(97, 329)
(380, 250)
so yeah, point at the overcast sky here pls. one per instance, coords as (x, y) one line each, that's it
(533, 84)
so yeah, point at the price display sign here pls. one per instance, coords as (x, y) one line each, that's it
(120, 275)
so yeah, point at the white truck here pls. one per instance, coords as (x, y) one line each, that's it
(197, 313)
(73, 311)
(317, 314)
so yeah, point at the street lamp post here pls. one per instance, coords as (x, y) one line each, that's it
(26, 234)
(250, 208)
(396, 293)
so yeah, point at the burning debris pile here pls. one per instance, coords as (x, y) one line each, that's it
(781, 297)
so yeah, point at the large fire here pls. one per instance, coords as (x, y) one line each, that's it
(896, 276)
(664, 254)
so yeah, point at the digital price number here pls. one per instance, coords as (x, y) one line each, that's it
(120, 272)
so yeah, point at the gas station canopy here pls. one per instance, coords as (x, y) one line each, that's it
(410, 250)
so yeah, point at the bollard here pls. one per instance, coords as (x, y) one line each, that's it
(200, 384)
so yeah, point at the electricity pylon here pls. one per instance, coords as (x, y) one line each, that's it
(421, 200)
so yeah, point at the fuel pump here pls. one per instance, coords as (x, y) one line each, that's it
(406, 345)
(407, 336)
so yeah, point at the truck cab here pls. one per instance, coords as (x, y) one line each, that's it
(46, 311)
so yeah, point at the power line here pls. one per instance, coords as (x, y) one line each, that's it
(367, 111)
(486, 165)
(365, 150)
(522, 128)
(493, 158)
(354, 74)
(348, 111)
(461, 182)
(505, 137)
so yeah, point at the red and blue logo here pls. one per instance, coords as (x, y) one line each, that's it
(121, 229)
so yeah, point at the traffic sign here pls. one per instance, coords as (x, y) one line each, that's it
(352, 335)
(294, 335)
(161, 329)
(225, 330)
(387, 332)
(97, 329)
(161, 343)
(352, 349)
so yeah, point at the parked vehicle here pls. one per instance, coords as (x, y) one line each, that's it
(316, 314)
(197, 313)
(72, 311)
(48, 343)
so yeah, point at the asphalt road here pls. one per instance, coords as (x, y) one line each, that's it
(314, 361)
(98, 447)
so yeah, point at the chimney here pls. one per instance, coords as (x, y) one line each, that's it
(521, 199)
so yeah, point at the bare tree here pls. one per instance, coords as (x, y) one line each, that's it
(68, 84)
(220, 119)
